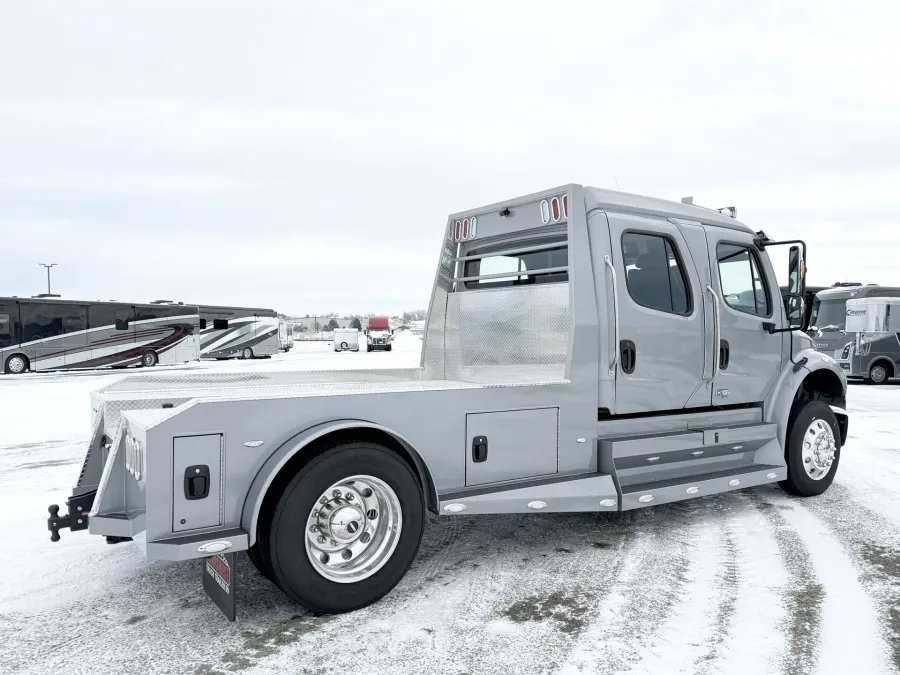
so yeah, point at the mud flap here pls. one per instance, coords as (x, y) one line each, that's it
(219, 582)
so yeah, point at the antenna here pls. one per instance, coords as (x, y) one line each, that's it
(617, 183)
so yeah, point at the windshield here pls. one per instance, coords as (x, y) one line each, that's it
(828, 315)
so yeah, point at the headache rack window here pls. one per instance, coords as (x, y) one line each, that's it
(502, 266)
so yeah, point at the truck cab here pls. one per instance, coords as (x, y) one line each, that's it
(378, 334)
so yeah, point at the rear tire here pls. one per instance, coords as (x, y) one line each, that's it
(813, 449)
(247, 353)
(388, 348)
(16, 364)
(387, 536)
(149, 359)
(879, 373)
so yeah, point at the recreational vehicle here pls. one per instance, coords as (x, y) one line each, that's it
(828, 318)
(874, 355)
(238, 332)
(585, 350)
(40, 334)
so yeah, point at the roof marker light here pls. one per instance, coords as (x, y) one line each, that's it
(554, 206)
(565, 201)
(458, 232)
(465, 229)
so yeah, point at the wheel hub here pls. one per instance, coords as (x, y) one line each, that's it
(819, 449)
(353, 529)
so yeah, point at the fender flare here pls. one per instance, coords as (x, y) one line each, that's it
(277, 460)
(778, 407)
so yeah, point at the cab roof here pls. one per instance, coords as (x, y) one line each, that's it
(613, 200)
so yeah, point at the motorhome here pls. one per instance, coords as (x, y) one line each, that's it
(41, 334)
(585, 350)
(827, 320)
(874, 355)
(238, 332)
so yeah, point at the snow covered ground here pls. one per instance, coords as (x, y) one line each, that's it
(745, 583)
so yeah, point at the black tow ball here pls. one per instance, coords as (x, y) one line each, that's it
(55, 522)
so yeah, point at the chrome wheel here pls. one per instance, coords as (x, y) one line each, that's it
(353, 529)
(16, 364)
(247, 353)
(818, 449)
(878, 374)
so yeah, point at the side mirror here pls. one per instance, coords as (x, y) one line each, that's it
(795, 309)
(796, 272)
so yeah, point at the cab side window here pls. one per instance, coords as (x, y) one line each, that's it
(654, 273)
(743, 283)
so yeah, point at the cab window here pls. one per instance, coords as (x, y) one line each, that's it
(744, 285)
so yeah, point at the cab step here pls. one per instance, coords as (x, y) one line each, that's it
(714, 482)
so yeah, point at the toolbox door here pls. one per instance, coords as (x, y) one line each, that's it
(511, 445)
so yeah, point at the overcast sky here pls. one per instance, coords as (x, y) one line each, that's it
(304, 156)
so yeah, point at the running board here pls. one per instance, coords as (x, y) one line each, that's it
(594, 492)
(684, 455)
(667, 491)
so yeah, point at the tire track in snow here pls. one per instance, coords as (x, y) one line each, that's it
(874, 544)
(802, 596)
(652, 581)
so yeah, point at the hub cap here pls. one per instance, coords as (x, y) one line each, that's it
(819, 449)
(879, 374)
(17, 364)
(353, 529)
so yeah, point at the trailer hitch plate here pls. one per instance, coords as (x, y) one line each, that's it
(76, 517)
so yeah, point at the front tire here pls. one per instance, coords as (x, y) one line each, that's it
(879, 373)
(813, 449)
(341, 538)
(16, 364)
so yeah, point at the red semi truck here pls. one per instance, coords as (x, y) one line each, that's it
(378, 333)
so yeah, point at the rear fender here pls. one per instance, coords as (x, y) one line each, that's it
(277, 461)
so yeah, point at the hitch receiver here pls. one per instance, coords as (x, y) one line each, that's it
(76, 518)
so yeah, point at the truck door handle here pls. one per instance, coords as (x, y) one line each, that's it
(196, 482)
(479, 448)
(724, 354)
(628, 358)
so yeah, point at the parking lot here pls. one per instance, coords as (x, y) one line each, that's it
(747, 582)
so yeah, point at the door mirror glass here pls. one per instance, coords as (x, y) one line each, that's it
(794, 270)
(795, 310)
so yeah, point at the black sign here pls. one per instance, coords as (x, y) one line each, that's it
(218, 582)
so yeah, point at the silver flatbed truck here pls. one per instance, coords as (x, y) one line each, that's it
(585, 351)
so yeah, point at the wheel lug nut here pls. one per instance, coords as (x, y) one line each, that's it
(321, 540)
(313, 528)
(333, 542)
(349, 496)
(324, 500)
(336, 493)
(316, 513)
(807, 459)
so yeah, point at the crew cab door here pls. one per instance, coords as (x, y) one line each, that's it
(750, 359)
(661, 338)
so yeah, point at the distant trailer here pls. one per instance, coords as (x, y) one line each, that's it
(42, 334)
(285, 335)
(346, 339)
(238, 332)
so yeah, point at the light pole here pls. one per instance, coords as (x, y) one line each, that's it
(48, 273)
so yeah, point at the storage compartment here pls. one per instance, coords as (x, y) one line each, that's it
(196, 482)
(511, 445)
